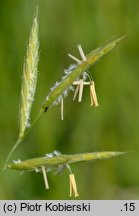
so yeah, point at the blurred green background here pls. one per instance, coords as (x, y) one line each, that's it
(114, 126)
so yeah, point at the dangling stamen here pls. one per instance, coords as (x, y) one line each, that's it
(74, 58)
(81, 53)
(91, 99)
(76, 92)
(45, 177)
(62, 109)
(81, 85)
(73, 186)
(93, 95)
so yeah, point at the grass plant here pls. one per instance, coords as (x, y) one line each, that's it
(74, 75)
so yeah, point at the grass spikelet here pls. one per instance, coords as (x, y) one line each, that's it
(60, 159)
(91, 59)
(55, 161)
(29, 80)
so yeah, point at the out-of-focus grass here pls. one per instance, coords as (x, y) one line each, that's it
(113, 126)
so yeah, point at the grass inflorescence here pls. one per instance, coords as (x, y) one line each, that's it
(75, 75)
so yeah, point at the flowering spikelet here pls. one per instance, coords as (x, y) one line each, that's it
(29, 78)
(55, 161)
(29, 81)
(67, 72)
(72, 74)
